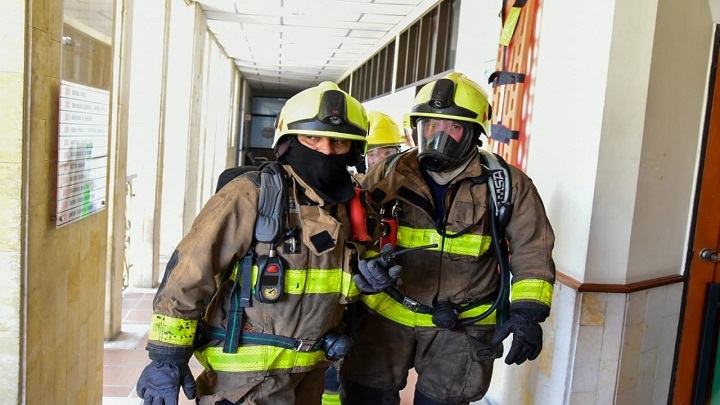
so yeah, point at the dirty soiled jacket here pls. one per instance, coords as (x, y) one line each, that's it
(318, 281)
(462, 270)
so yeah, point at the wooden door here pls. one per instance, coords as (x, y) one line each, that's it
(702, 274)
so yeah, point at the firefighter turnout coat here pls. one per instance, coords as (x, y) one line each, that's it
(397, 332)
(196, 292)
(464, 269)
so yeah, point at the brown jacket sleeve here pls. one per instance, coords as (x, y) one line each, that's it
(531, 240)
(220, 234)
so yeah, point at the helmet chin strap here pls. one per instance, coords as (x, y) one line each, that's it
(443, 178)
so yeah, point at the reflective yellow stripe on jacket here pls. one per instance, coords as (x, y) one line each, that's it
(407, 237)
(467, 245)
(386, 306)
(313, 281)
(257, 358)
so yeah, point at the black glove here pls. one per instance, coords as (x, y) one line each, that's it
(527, 338)
(160, 381)
(376, 274)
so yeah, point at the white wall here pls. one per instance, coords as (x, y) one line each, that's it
(715, 10)
(177, 125)
(675, 111)
(605, 150)
(146, 77)
(395, 105)
(622, 132)
(477, 47)
(567, 120)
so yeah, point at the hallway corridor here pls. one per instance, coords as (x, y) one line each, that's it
(125, 357)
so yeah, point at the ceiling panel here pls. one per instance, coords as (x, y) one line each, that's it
(243, 18)
(379, 19)
(275, 42)
(320, 22)
(289, 45)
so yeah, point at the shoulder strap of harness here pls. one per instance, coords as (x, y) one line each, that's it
(392, 161)
(270, 179)
(390, 164)
(500, 185)
(271, 203)
(271, 207)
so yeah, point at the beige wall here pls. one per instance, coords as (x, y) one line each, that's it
(65, 267)
(88, 62)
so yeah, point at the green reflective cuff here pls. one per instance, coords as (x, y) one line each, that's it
(257, 358)
(508, 29)
(175, 331)
(387, 307)
(330, 398)
(466, 245)
(532, 289)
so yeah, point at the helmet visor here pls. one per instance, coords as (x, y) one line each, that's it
(447, 139)
(377, 154)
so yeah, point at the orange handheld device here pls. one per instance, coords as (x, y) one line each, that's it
(388, 232)
(389, 227)
(358, 216)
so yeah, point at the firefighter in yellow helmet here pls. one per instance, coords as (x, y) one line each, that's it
(270, 329)
(385, 137)
(446, 312)
(407, 130)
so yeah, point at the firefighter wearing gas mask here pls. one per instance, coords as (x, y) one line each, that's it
(270, 329)
(436, 309)
(384, 138)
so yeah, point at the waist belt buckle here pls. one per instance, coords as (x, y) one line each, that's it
(304, 345)
(410, 304)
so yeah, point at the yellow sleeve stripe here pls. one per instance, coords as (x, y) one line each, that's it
(175, 331)
(532, 289)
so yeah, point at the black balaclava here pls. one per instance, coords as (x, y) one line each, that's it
(326, 174)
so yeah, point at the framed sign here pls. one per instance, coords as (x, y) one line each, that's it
(82, 151)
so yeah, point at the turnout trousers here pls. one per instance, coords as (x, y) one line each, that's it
(453, 367)
(223, 388)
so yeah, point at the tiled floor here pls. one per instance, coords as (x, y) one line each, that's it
(125, 357)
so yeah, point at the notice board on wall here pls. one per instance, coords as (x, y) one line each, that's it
(82, 151)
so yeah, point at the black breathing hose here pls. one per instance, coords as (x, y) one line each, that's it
(500, 246)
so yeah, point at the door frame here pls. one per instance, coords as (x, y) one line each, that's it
(704, 232)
